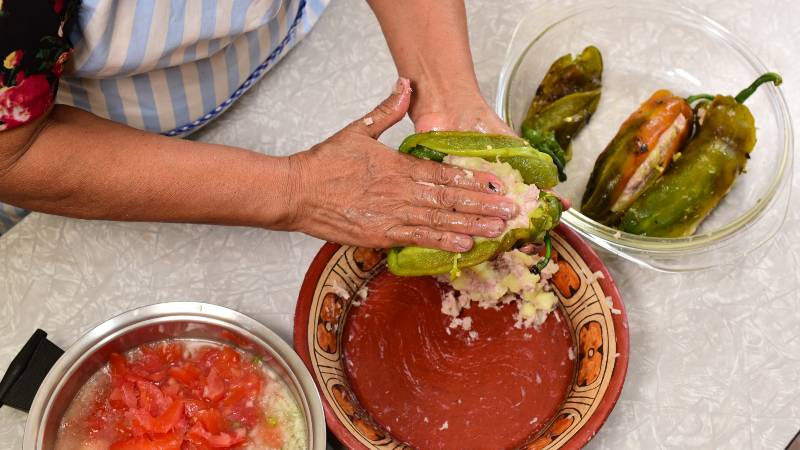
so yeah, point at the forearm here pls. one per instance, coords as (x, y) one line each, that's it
(80, 165)
(430, 46)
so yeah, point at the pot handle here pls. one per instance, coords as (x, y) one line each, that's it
(27, 371)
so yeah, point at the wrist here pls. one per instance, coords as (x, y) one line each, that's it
(280, 194)
(443, 96)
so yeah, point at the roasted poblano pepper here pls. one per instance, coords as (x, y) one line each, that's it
(419, 261)
(534, 166)
(640, 152)
(678, 202)
(565, 100)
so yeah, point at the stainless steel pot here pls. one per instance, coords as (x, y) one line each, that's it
(185, 320)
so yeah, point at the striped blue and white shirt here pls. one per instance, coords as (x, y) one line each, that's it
(171, 66)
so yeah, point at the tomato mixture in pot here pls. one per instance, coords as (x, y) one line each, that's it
(183, 395)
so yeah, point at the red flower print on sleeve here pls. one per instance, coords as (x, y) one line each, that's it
(26, 101)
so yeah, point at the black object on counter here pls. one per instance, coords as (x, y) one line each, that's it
(27, 371)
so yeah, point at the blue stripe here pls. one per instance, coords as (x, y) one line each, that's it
(232, 63)
(206, 76)
(80, 97)
(177, 94)
(97, 59)
(86, 11)
(177, 11)
(285, 43)
(113, 101)
(9, 216)
(208, 21)
(274, 28)
(147, 105)
(254, 48)
(317, 6)
(272, 12)
(142, 20)
(213, 46)
(238, 16)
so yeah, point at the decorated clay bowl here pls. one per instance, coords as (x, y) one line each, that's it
(394, 375)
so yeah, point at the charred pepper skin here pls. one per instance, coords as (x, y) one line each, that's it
(534, 166)
(637, 156)
(565, 117)
(678, 202)
(565, 100)
(568, 75)
(421, 261)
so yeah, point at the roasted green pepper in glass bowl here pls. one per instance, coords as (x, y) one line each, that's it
(637, 156)
(565, 99)
(678, 202)
(641, 56)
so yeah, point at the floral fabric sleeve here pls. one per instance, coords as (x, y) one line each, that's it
(33, 50)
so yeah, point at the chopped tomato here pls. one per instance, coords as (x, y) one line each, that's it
(170, 352)
(187, 374)
(164, 442)
(161, 424)
(235, 339)
(162, 397)
(212, 420)
(117, 366)
(151, 398)
(201, 436)
(215, 386)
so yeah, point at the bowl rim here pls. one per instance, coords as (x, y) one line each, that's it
(660, 246)
(592, 260)
(158, 313)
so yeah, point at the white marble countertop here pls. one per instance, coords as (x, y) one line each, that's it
(715, 356)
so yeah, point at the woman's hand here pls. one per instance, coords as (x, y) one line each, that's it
(354, 190)
(459, 111)
(430, 46)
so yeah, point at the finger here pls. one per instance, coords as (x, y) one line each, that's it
(427, 237)
(388, 113)
(446, 220)
(437, 173)
(464, 201)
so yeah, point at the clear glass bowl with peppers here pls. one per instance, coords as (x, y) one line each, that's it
(653, 52)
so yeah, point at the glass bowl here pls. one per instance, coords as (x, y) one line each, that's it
(648, 46)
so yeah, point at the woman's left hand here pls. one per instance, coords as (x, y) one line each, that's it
(468, 112)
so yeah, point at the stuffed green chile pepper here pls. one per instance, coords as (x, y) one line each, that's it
(693, 186)
(534, 166)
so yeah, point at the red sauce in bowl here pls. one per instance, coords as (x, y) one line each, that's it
(436, 390)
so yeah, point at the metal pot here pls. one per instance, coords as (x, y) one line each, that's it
(185, 320)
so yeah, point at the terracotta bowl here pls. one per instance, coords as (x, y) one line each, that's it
(582, 365)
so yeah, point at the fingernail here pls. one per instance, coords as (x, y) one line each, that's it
(509, 210)
(495, 228)
(462, 243)
(399, 85)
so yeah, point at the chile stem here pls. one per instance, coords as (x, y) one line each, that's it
(766, 78)
(693, 98)
(548, 249)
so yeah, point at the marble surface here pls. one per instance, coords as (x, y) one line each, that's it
(715, 356)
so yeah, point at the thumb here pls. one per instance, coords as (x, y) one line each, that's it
(387, 113)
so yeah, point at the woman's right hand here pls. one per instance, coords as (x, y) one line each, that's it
(352, 189)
